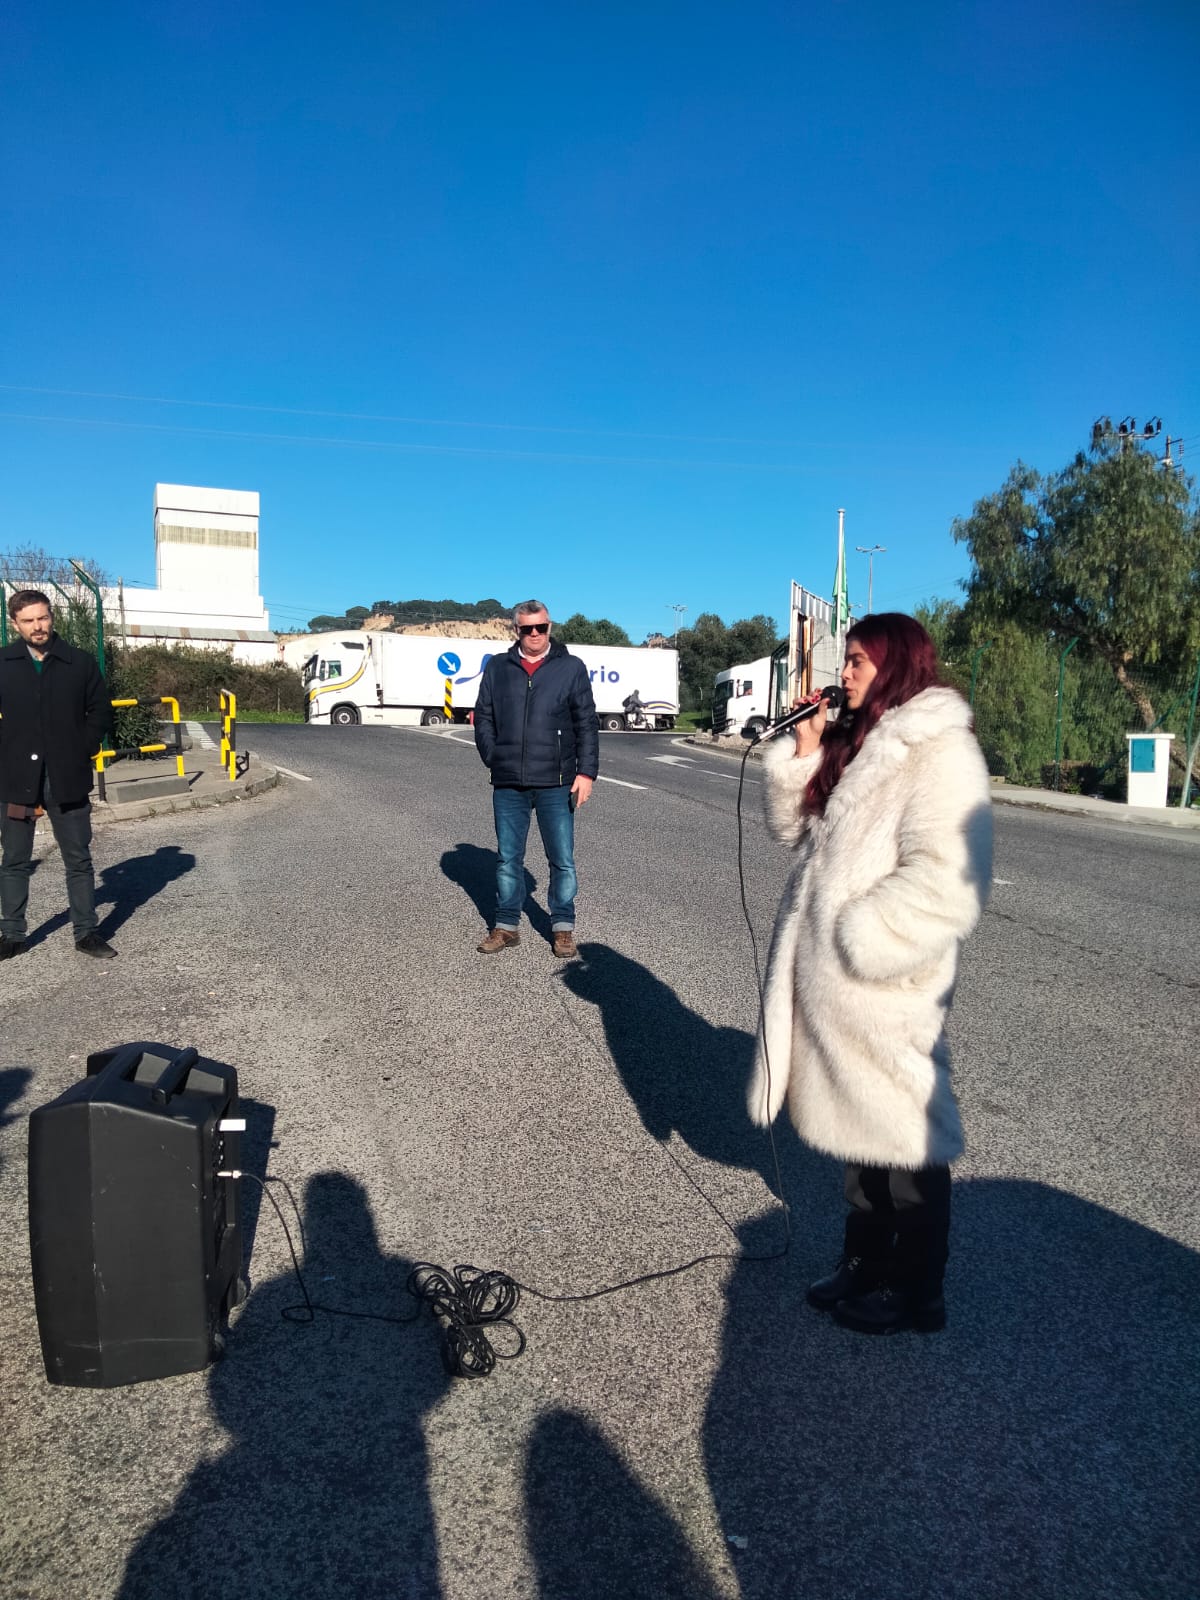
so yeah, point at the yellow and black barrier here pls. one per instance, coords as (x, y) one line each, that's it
(159, 749)
(448, 700)
(235, 763)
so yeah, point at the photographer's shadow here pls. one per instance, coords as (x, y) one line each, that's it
(473, 869)
(323, 1491)
(13, 1083)
(1044, 1445)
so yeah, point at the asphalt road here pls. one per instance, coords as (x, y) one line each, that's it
(703, 1435)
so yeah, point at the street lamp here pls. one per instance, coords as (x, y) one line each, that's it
(870, 551)
(678, 610)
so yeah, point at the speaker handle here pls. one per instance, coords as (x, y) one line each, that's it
(171, 1078)
(121, 1063)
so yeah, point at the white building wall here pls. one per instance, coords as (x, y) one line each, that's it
(206, 540)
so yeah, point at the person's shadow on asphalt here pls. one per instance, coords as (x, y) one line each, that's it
(13, 1082)
(473, 869)
(323, 1491)
(125, 886)
(593, 1530)
(1044, 1445)
(684, 1074)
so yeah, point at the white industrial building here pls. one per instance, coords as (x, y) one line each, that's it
(206, 566)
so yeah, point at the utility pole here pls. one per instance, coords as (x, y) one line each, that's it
(678, 610)
(1127, 431)
(870, 551)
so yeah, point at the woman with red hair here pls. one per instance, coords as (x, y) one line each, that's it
(889, 810)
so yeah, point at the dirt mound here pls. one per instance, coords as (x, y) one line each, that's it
(493, 628)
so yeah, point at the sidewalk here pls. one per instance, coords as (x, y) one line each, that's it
(136, 788)
(1007, 794)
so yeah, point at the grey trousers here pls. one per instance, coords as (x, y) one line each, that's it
(72, 826)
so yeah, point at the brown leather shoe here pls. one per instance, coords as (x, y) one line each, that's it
(498, 939)
(564, 944)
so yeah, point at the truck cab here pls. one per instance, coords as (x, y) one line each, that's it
(336, 664)
(743, 701)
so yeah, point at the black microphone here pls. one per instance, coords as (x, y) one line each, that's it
(831, 696)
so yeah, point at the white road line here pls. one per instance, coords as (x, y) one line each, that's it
(623, 783)
(199, 736)
(287, 772)
(435, 733)
(1007, 882)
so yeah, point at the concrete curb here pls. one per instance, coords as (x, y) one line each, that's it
(1097, 810)
(266, 777)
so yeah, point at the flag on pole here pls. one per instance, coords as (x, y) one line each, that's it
(841, 591)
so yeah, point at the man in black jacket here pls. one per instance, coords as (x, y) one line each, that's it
(536, 730)
(54, 712)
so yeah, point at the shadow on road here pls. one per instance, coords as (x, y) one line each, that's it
(322, 1492)
(473, 869)
(686, 1076)
(1045, 1445)
(126, 886)
(593, 1529)
(13, 1081)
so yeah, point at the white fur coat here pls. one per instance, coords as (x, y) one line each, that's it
(863, 960)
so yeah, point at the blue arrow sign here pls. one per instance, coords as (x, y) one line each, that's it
(448, 664)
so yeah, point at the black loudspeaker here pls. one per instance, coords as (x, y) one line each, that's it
(136, 1242)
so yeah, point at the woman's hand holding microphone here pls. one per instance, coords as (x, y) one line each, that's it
(811, 730)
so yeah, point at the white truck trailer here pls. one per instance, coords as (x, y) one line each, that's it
(407, 679)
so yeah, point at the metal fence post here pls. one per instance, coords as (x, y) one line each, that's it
(1058, 715)
(95, 589)
(1190, 745)
(975, 669)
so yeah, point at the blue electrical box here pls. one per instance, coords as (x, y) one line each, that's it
(1141, 755)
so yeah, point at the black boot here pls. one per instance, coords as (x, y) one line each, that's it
(853, 1275)
(887, 1309)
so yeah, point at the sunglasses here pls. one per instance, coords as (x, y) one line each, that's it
(533, 627)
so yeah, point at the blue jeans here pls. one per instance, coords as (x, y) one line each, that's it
(512, 809)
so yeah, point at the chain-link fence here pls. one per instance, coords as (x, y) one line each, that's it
(1050, 714)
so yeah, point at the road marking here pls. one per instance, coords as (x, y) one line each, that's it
(288, 773)
(688, 764)
(1007, 882)
(622, 782)
(199, 737)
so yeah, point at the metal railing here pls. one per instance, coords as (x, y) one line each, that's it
(157, 749)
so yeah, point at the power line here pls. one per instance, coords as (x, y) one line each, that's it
(420, 422)
(389, 445)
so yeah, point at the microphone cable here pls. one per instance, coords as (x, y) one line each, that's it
(465, 1300)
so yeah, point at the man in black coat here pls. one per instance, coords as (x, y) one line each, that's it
(54, 713)
(536, 730)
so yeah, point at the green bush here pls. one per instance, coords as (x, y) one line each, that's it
(195, 678)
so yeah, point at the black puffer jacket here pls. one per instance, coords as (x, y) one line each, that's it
(537, 730)
(55, 718)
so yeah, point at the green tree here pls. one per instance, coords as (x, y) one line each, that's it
(357, 615)
(708, 647)
(578, 629)
(1106, 551)
(751, 639)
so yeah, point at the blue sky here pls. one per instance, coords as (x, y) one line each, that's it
(611, 304)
